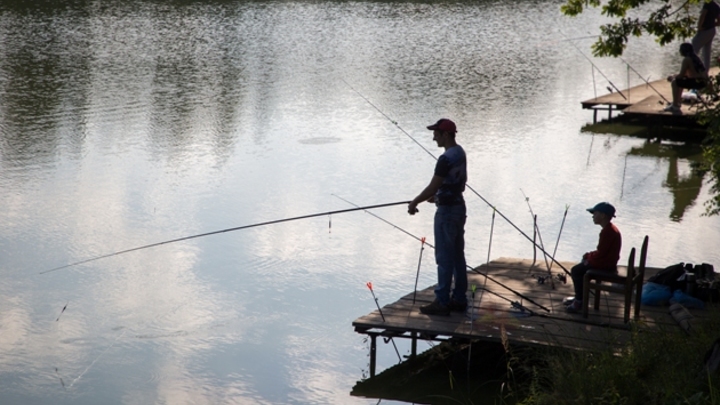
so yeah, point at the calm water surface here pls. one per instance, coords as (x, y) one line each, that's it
(130, 123)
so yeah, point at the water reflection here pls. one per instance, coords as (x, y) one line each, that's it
(680, 147)
(685, 184)
(43, 91)
(129, 123)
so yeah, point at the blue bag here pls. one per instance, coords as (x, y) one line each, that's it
(654, 294)
(686, 300)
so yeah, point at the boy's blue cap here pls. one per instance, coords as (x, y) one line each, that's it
(604, 207)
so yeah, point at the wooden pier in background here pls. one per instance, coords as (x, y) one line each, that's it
(644, 101)
(495, 315)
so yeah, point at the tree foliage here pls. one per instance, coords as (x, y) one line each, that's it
(667, 21)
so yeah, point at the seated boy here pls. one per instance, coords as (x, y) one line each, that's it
(604, 258)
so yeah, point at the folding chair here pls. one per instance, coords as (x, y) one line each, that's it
(597, 281)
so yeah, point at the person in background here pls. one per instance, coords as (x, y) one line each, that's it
(446, 191)
(604, 258)
(693, 75)
(708, 20)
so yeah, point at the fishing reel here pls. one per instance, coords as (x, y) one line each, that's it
(519, 310)
(517, 306)
(541, 279)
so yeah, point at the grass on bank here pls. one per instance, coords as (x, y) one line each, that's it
(660, 366)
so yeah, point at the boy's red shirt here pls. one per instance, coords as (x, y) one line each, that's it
(607, 254)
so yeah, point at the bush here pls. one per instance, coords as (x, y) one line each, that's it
(663, 366)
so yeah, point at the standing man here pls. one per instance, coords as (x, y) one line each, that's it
(445, 190)
(604, 258)
(708, 20)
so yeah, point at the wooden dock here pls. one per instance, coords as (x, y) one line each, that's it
(645, 101)
(498, 314)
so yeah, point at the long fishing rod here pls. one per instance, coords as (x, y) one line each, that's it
(645, 80)
(514, 304)
(277, 221)
(487, 277)
(466, 185)
(594, 66)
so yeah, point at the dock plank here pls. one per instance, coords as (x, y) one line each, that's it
(645, 100)
(493, 317)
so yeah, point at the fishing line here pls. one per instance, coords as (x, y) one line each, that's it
(277, 221)
(390, 119)
(466, 265)
(466, 185)
(97, 358)
(592, 69)
(593, 64)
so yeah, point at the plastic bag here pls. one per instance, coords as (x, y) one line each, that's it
(654, 294)
(686, 300)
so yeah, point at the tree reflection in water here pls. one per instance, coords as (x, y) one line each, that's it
(684, 187)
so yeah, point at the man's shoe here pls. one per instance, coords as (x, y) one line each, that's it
(456, 306)
(568, 300)
(575, 307)
(435, 308)
(672, 108)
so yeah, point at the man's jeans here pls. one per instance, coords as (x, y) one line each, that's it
(703, 41)
(450, 252)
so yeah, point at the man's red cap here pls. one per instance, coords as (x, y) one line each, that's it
(443, 124)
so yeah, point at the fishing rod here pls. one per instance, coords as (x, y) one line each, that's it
(594, 66)
(417, 276)
(370, 287)
(466, 185)
(277, 221)
(537, 229)
(645, 80)
(557, 242)
(487, 277)
(513, 304)
(487, 261)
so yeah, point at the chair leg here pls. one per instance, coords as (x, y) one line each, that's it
(585, 298)
(638, 295)
(628, 300)
(597, 299)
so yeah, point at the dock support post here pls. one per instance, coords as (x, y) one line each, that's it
(609, 112)
(373, 352)
(413, 346)
(594, 115)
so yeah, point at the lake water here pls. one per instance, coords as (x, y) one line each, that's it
(130, 123)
